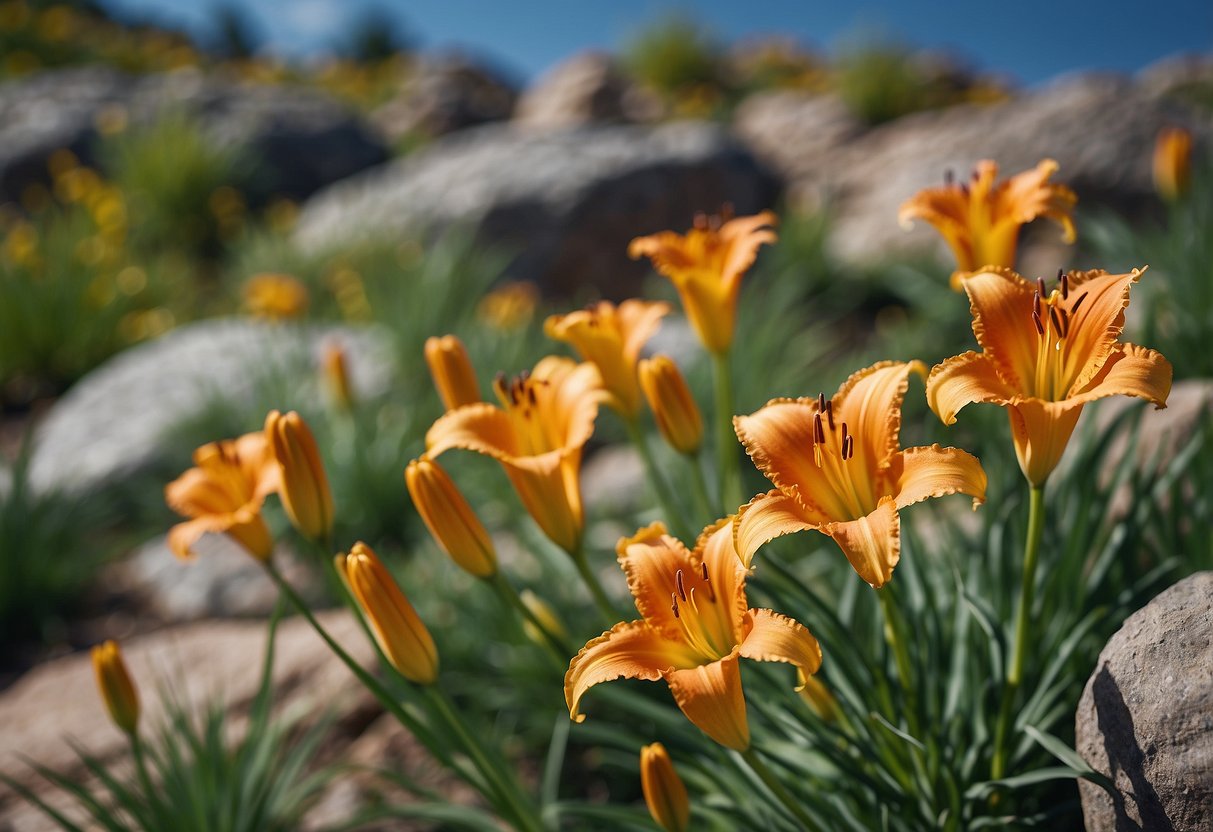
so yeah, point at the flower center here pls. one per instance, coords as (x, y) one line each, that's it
(526, 400)
(1053, 315)
(833, 450)
(704, 621)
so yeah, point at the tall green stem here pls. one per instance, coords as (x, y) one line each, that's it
(699, 484)
(781, 794)
(726, 440)
(896, 640)
(509, 596)
(1036, 525)
(673, 512)
(591, 581)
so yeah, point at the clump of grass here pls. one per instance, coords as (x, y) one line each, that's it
(679, 59)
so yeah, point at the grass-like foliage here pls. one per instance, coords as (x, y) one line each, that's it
(676, 57)
(190, 775)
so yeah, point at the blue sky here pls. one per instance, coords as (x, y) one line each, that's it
(1028, 40)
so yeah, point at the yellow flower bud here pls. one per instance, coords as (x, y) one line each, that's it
(452, 371)
(673, 406)
(116, 687)
(405, 641)
(817, 696)
(304, 488)
(449, 518)
(664, 792)
(276, 297)
(545, 615)
(1172, 162)
(336, 375)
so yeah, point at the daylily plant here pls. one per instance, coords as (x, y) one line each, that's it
(537, 434)
(695, 624)
(706, 267)
(980, 219)
(611, 338)
(1045, 355)
(224, 493)
(837, 468)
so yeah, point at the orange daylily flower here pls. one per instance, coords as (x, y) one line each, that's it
(695, 624)
(1045, 355)
(706, 267)
(980, 219)
(1172, 162)
(611, 337)
(275, 296)
(838, 469)
(537, 435)
(224, 493)
(114, 682)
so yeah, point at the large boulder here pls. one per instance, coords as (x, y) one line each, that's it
(443, 94)
(115, 422)
(1145, 719)
(302, 140)
(566, 203)
(587, 88)
(793, 130)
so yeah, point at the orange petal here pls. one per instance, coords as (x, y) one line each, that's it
(919, 473)
(651, 559)
(1130, 371)
(552, 496)
(743, 236)
(872, 544)
(1002, 304)
(475, 427)
(711, 697)
(869, 402)
(183, 536)
(777, 638)
(639, 320)
(965, 379)
(714, 551)
(1041, 430)
(765, 518)
(629, 650)
(1096, 325)
(779, 440)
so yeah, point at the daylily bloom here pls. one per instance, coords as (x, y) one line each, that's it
(401, 634)
(1045, 355)
(335, 372)
(275, 296)
(1172, 162)
(674, 408)
(537, 435)
(224, 493)
(452, 371)
(303, 484)
(706, 267)
(837, 469)
(695, 624)
(451, 521)
(611, 337)
(980, 219)
(114, 683)
(664, 792)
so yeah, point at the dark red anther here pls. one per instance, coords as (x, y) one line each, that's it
(1036, 303)
(530, 394)
(1040, 287)
(1078, 303)
(821, 402)
(1040, 327)
(1065, 284)
(703, 567)
(674, 604)
(1057, 325)
(818, 433)
(682, 592)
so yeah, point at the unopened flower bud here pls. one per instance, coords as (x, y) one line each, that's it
(305, 487)
(673, 406)
(452, 371)
(402, 636)
(545, 615)
(664, 792)
(449, 518)
(1172, 162)
(336, 375)
(116, 687)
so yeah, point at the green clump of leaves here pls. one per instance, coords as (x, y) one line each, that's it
(884, 81)
(677, 57)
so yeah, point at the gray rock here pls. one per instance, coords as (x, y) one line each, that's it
(567, 203)
(1146, 717)
(445, 94)
(585, 89)
(301, 139)
(1099, 128)
(113, 423)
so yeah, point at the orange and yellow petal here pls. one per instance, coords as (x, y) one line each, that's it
(651, 560)
(869, 402)
(777, 638)
(1041, 430)
(664, 792)
(1097, 325)
(963, 380)
(715, 553)
(629, 650)
(552, 495)
(920, 473)
(765, 518)
(711, 698)
(779, 439)
(872, 544)
(452, 372)
(1002, 304)
(1130, 371)
(475, 427)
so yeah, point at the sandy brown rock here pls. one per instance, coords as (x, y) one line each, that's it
(587, 88)
(1146, 717)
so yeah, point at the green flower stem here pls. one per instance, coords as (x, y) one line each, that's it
(492, 770)
(675, 516)
(781, 794)
(509, 596)
(699, 484)
(385, 697)
(591, 581)
(140, 763)
(896, 640)
(726, 440)
(1036, 525)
